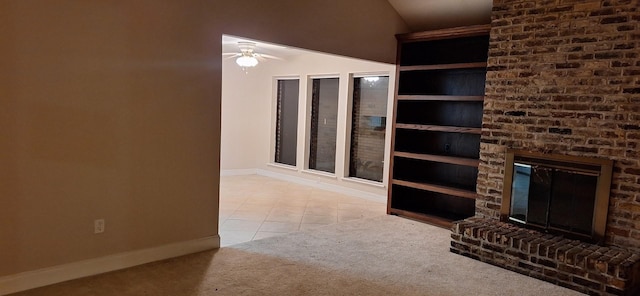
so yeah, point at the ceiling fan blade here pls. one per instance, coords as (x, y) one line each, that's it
(246, 46)
(231, 54)
(228, 56)
(268, 56)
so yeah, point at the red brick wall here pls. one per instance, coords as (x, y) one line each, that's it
(564, 77)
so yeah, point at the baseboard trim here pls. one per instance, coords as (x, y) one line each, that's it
(238, 172)
(325, 186)
(61, 273)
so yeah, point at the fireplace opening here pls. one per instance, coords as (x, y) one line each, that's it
(560, 194)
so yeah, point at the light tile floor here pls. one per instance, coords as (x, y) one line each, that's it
(254, 207)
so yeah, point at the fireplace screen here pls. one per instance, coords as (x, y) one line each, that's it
(559, 194)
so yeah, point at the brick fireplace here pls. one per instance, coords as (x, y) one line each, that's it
(564, 78)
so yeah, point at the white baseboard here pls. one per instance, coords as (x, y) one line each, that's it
(325, 186)
(56, 274)
(237, 172)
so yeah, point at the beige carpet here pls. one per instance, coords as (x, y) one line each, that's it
(383, 255)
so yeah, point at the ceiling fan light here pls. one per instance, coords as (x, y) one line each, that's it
(246, 61)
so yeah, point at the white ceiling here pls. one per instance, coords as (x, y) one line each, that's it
(423, 15)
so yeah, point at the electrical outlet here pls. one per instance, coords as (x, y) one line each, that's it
(98, 226)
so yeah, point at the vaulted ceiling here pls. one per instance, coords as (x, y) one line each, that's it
(423, 15)
(420, 15)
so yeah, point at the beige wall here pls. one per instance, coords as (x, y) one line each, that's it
(248, 113)
(242, 92)
(111, 109)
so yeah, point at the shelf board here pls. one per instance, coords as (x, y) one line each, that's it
(434, 220)
(440, 98)
(443, 66)
(439, 158)
(439, 128)
(437, 188)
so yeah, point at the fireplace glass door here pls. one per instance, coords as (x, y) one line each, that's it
(552, 196)
(560, 194)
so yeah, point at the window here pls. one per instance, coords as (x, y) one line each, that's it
(287, 121)
(368, 126)
(324, 119)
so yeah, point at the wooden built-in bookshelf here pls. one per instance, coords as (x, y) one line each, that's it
(437, 124)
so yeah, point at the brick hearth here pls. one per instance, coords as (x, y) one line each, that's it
(591, 269)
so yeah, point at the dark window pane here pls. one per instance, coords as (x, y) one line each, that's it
(324, 118)
(287, 121)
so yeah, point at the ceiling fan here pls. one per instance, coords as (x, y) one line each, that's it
(247, 57)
